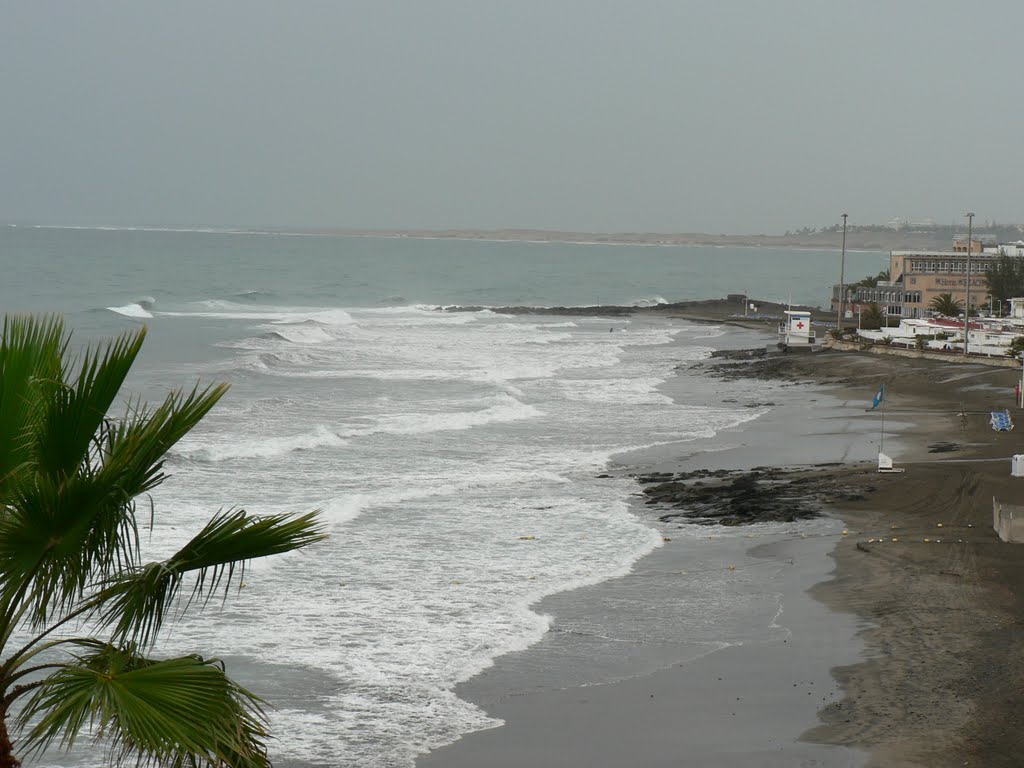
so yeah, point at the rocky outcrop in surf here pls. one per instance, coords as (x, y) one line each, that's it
(726, 497)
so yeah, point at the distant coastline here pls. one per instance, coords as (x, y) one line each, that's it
(864, 241)
(870, 240)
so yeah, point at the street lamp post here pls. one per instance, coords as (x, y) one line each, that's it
(842, 286)
(1020, 392)
(967, 302)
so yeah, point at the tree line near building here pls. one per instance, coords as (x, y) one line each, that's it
(1005, 278)
(871, 282)
(1002, 232)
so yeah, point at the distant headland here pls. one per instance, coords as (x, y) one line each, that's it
(858, 237)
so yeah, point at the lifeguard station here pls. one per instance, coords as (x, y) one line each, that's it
(795, 334)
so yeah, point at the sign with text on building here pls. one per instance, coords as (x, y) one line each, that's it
(960, 282)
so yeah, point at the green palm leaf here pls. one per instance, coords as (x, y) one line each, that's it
(69, 551)
(31, 351)
(133, 450)
(182, 711)
(75, 413)
(137, 604)
(64, 532)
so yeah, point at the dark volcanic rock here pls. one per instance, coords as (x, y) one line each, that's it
(738, 354)
(763, 368)
(723, 497)
(595, 310)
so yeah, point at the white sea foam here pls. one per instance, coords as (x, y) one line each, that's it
(299, 334)
(218, 309)
(417, 488)
(637, 390)
(650, 302)
(131, 310)
(262, 448)
(505, 409)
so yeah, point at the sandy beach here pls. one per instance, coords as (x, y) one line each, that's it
(890, 645)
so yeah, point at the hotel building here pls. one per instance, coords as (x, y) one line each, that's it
(917, 277)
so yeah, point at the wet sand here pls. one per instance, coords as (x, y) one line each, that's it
(909, 655)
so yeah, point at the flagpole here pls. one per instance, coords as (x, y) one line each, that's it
(881, 441)
(880, 404)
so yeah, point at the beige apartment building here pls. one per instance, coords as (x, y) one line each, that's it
(917, 277)
(923, 275)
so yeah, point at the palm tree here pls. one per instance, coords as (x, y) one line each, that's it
(1005, 278)
(873, 318)
(69, 557)
(945, 304)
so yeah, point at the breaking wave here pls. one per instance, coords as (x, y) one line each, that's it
(138, 309)
(650, 302)
(506, 409)
(264, 448)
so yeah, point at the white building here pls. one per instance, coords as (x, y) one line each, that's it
(1007, 249)
(989, 337)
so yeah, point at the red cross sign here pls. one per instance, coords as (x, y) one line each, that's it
(800, 324)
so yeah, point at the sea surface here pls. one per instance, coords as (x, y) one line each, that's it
(454, 455)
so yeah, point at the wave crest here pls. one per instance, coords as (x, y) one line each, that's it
(265, 448)
(136, 310)
(505, 409)
(652, 301)
(299, 334)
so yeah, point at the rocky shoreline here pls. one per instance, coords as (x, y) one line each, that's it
(725, 310)
(764, 494)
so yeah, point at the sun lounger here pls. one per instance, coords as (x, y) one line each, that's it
(1001, 421)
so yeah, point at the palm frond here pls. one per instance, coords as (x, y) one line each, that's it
(31, 350)
(133, 449)
(63, 537)
(67, 532)
(183, 711)
(136, 604)
(74, 413)
(69, 551)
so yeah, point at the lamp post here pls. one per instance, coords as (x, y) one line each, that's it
(842, 286)
(1020, 392)
(967, 302)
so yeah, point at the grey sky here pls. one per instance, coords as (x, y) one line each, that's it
(702, 115)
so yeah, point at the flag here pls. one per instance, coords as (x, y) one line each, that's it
(879, 397)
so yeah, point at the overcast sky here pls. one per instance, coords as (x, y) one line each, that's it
(674, 116)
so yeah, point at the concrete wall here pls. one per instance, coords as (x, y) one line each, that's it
(1008, 521)
(947, 357)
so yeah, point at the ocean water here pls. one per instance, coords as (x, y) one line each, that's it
(454, 455)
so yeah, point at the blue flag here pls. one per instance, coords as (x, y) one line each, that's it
(879, 397)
